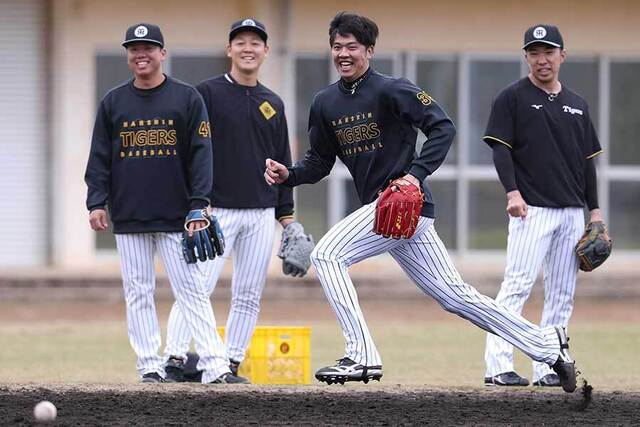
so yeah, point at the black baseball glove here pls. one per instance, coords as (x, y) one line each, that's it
(295, 248)
(206, 242)
(594, 247)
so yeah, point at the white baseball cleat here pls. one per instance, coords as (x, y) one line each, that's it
(348, 370)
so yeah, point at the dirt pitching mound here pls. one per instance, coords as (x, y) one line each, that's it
(195, 404)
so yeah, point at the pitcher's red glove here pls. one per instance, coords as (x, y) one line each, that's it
(398, 210)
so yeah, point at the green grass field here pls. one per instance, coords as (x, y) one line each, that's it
(440, 351)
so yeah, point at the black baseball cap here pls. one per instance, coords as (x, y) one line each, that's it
(248, 25)
(541, 33)
(142, 32)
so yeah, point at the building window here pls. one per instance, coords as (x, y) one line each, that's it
(487, 220)
(312, 73)
(439, 78)
(193, 69)
(445, 199)
(581, 76)
(624, 220)
(624, 113)
(387, 65)
(486, 79)
(470, 200)
(111, 71)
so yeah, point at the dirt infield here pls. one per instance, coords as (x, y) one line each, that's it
(195, 404)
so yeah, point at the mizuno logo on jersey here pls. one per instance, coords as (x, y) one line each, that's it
(571, 110)
(537, 107)
(267, 110)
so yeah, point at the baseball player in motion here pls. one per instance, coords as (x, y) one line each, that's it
(543, 145)
(384, 129)
(249, 125)
(150, 162)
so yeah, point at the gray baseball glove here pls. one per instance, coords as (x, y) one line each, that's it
(295, 248)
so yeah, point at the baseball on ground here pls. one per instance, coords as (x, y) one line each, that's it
(45, 411)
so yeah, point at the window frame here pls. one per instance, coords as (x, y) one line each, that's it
(461, 171)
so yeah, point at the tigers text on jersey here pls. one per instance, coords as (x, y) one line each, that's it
(249, 126)
(150, 158)
(550, 137)
(378, 131)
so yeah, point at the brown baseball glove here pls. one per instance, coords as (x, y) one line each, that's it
(398, 210)
(594, 247)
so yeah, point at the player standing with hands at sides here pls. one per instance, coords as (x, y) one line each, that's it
(249, 125)
(150, 162)
(543, 145)
(388, 129)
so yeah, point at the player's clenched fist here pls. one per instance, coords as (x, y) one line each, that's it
(98, 220)
(516, 206)
(275, 173)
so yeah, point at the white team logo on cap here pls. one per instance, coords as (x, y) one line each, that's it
(141, 31)
(539, 32)
(249, 22)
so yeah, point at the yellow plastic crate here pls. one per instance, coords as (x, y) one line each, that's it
(277, 355)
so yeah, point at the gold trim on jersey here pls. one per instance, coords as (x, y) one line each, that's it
(285, 217)
(497, 140)
(594, 154)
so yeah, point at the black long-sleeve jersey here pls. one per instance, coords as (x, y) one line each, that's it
(150, 158)
(248, 126)
(381, 129)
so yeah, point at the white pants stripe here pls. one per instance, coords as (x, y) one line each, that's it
(187, 283)
(424, 258)
(545, 240)
(249, 242)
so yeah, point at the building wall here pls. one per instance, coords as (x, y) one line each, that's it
(470, 25)
(81, 28)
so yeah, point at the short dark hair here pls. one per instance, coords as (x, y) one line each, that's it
(361, 27)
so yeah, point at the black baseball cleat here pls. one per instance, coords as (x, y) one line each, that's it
(151, 377)
(229, 378)
(549, 380)
(565, 366)
(233, 367)
(191, 372)
(508, 379)
(174, 370)
(348, 370)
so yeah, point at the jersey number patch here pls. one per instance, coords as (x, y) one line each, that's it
(424, 97)
(204, 130)
(267, 110)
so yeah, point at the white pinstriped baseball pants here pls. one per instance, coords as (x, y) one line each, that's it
(425, 260)
(545, 239)
(248, 237)
(187, 282)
